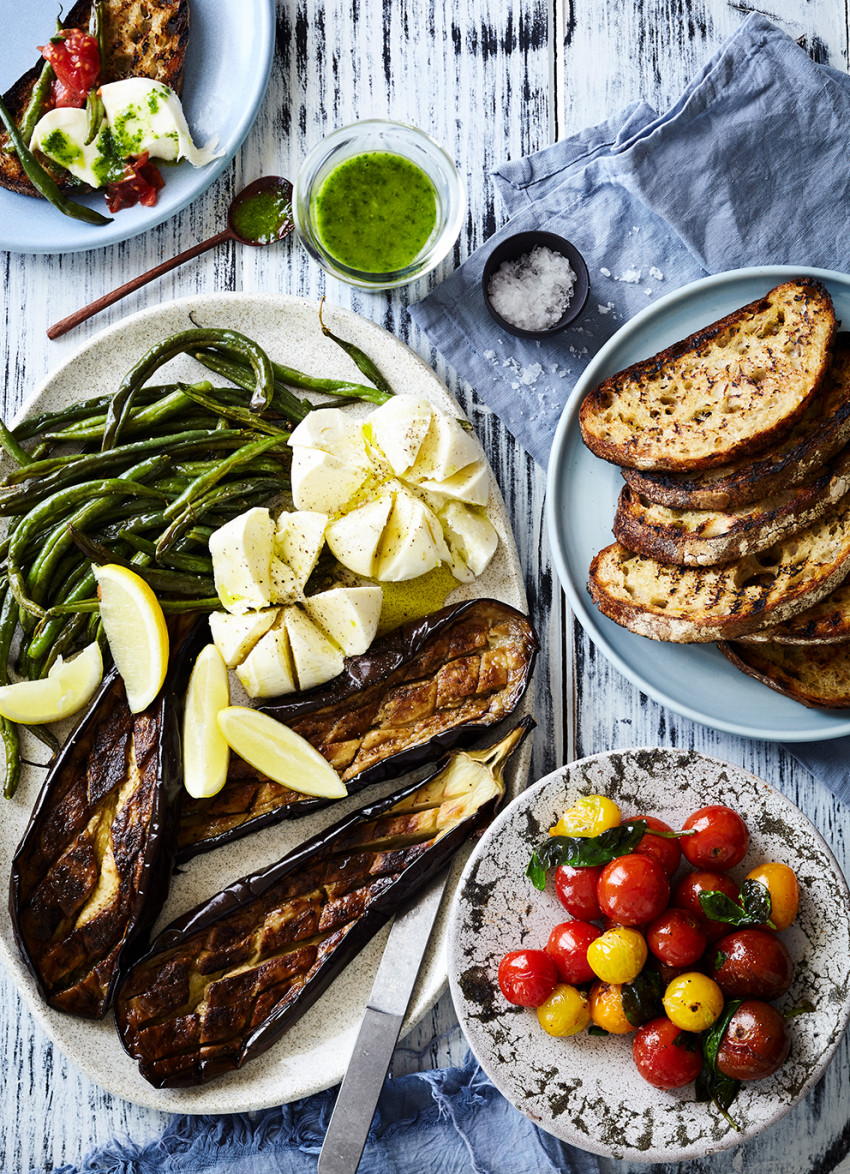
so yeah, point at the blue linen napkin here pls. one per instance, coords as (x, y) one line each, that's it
(451, 1120)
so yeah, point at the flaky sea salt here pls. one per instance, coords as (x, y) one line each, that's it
(655, 273)
(533, 291)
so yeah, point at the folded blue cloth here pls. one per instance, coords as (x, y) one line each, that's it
(452, 1121)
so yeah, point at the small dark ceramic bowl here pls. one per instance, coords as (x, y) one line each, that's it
(517, 246)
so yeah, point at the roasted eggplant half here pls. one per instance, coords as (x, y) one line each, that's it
(92, 870)
(430, 685)
(222, 983)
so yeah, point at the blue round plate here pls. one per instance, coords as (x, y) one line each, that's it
(694, 679)
(228, 65)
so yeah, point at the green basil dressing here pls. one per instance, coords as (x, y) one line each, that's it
(375, 212)
(262, 216)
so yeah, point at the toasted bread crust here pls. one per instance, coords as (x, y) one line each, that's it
(821, 432)
(828, 622)
(818, 677)
(686, 605)
(710, 537)
(725, 391)
(144, 38)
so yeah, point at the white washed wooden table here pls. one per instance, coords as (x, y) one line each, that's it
(490, 80)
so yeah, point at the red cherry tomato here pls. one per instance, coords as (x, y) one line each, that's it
(665, 852)
(677, 937)
(687, 894)
(75, 58)
(576, 889)
(568, 944)
(721, 839)
(632, 890)
(527, 977)
(661, 1060)
(142, 180)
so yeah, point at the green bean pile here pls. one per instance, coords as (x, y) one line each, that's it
(141, 478)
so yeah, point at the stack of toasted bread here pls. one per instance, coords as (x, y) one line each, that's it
(734, 522)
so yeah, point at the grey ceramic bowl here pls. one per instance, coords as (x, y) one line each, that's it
(518, 245)
(585, 1089)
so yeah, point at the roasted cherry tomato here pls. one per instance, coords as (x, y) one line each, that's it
(666, 1056)
(576, 889)
(142, 180)
(781, 882)
(75, 58)
(677, 937)
(633, 890)
(618, 955)
(687, 894)
(565, 1012)
(693, 1001)
(527, 977)
(606, 1008)
(755, 1043)
(590, 816)
(665, 852)
(752, 963)
(568, 944)
(721, 840)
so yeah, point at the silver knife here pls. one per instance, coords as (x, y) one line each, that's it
(385, 1011)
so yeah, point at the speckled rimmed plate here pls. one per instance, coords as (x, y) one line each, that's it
(314, 1053)
(581, 499)
(228, 65)
(585, 1089)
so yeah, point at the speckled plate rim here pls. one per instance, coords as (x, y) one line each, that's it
(288, 326)
(695, 680)
(568, 780)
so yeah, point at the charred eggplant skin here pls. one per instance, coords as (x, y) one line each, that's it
(73, 938)
(214, 935)
(390, 666)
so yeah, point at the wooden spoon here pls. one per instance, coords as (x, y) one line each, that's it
(260, 214)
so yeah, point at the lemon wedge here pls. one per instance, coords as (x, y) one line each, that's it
(279, 752)
(69, 686)
(206, 755)
(136, 631)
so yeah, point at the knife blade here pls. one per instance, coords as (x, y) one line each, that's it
(364, 1078)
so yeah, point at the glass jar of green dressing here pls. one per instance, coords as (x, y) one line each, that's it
(378, 203)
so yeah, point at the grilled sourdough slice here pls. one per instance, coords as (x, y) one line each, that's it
(821, 432)
(143, 38)
(690, 605)
(730, 389)
(706, 538)
(817, 676)
(828, 622)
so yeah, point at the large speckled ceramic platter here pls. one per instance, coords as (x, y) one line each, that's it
(581, 499)
(585, 1089)
(313, 1055)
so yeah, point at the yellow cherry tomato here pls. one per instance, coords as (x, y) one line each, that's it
(693, 1001)
(590, 816)
(781, 882)
(606, 1008)
(565, 1012)
(618, 955)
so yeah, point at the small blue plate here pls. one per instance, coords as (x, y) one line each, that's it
(228, 65)
(693, 679)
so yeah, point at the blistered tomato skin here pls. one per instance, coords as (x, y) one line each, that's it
(576, 889)
(781, 882)
(665, 852)
(663, 1062)
(565, 1012)
(756, 1042)
(567, 945)
(633, 890)
(677, 937)
(606, 1008)
(693, 1001)
(618, 955)
(527, 977)
(590, 816)
(752, 963)
(687, 894)
(721, 840)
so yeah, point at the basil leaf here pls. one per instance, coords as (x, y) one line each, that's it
(753, 908)
(687, 1040)
(642, 997)
(714, 1036)
(721, 1089)
(595, 1029)
(583, 851)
